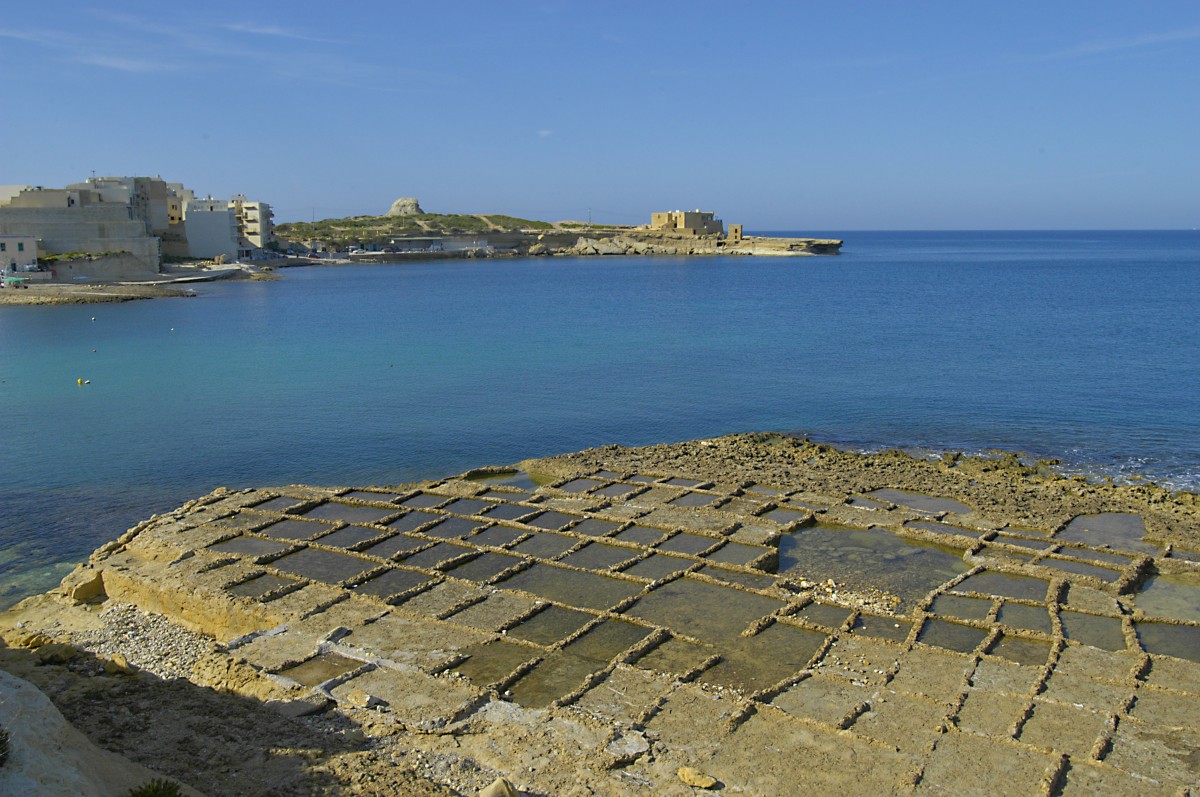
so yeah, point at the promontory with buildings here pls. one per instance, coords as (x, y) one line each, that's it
(145, 229)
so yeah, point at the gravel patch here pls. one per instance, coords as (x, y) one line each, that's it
(147, 641)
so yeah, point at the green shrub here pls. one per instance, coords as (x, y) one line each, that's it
(79, 255)
(159, 787)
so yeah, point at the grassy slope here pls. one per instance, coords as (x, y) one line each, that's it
(378, 229)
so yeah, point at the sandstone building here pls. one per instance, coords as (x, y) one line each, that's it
(17, 252)
(689, 222)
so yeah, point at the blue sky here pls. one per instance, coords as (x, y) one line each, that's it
(800, 116)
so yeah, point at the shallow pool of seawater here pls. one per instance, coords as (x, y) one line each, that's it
(676, 656)
(1022, 651)
(754, 663)
(572, 587)
(1114, 529)
(1177, 597)
(1165, 639)
(491, 662)
(920, 502)
(869, 558)
(321, 668)
(559, 674)
(704, 611)
(550, 625)
(513, 478)
(1095, 630)
(952, 636)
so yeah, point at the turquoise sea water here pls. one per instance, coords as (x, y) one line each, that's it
(1084, 346)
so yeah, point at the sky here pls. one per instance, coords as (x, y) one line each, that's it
(805, 116)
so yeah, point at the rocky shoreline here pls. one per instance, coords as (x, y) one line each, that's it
(59, 293)
(627, 243)
(632, 243)
(629, 621)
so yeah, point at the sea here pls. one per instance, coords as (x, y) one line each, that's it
(1082, 346)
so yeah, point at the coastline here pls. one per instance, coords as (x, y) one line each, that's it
(187, 621)
(104, 292)
(56, 293)
(513, 246)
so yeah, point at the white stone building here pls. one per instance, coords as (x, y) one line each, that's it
(7, 192)
(210, 226)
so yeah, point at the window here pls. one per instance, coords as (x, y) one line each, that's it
(3, 247)
(20, 247)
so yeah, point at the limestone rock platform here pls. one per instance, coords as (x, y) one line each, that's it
(780, 616)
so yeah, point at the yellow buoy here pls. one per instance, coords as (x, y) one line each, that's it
(79, 381)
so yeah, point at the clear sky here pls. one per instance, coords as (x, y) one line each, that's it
(781, 115)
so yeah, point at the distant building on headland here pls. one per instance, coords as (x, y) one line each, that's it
(145, 217)
(688, 222)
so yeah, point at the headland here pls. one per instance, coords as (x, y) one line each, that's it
(417, 234)
(117, 276)
(109, 231)
(754, 614)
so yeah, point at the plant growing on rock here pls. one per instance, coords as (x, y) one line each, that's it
(159, 787)
(3, 746)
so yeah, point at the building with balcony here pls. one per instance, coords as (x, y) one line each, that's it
(255, 226)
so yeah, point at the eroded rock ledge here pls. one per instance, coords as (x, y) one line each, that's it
(657, 243)
(632, 621)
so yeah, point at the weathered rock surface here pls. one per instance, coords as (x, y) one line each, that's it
(83, 584)
(499, 788)
(611, 617)
(405, 206)
(695, 778)
(655, 243)
(47, 756)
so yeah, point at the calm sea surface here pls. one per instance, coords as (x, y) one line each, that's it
(1080, 345)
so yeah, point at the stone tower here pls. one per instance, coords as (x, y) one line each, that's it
(405, 206)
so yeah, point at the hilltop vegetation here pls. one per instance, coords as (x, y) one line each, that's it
(379, 229)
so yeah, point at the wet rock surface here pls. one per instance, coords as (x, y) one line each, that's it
(595, 623)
